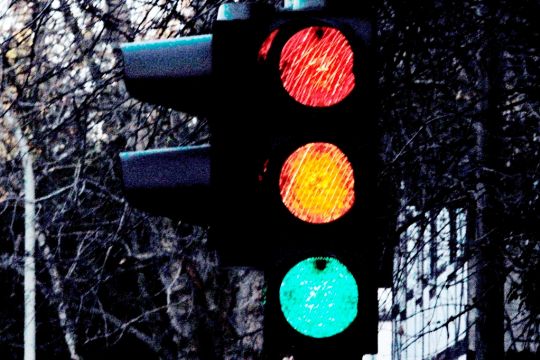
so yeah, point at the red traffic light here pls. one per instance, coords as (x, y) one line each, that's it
(317, 183)
(316, 66)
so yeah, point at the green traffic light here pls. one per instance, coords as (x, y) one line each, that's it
(319, 297)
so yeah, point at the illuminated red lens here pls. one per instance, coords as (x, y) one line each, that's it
(317, 183)
(316, 66)
(266, 45)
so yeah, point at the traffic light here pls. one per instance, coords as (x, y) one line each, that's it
(290, 179)
(319, 186)
(313, 145)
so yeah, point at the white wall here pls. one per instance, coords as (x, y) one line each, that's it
(431, 288)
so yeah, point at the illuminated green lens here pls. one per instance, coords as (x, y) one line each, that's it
(319, 297)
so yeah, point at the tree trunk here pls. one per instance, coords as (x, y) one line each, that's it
(29, 240)
(29, 257)
(487, 251)
(487, 275)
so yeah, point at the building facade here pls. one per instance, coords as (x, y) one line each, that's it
(432, 314)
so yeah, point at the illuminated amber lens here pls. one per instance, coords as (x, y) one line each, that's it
(316, 66)
(317, 183)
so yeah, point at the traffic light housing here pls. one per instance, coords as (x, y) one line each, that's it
(313, 144)
(293, 164)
